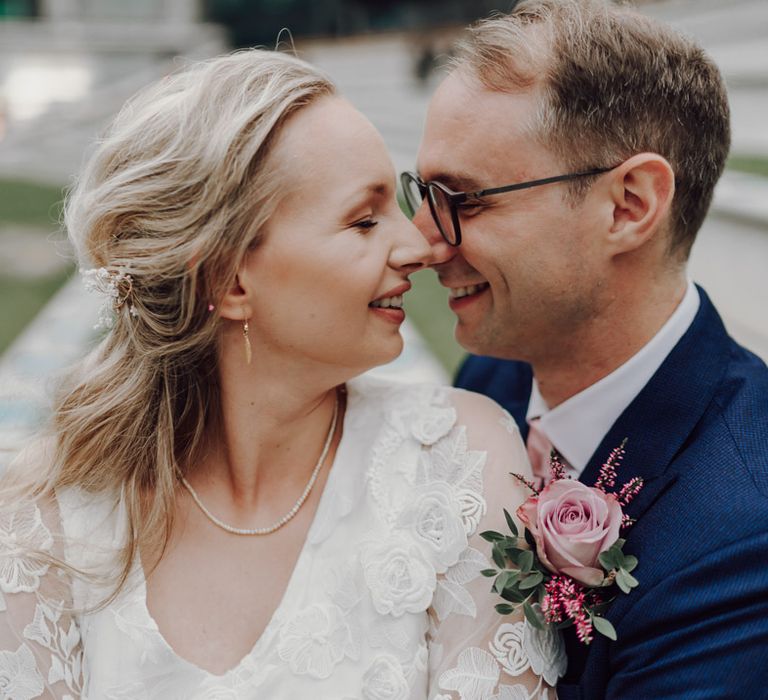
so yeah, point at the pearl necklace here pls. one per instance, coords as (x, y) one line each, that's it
(296, 506)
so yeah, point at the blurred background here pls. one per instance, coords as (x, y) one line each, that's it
(66, 66)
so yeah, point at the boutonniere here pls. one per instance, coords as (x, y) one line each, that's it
(568, 564)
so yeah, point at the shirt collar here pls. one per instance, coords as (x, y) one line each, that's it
(577, 426)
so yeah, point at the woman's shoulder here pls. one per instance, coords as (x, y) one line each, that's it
(388, 394)
(431, 433)
(70, 514)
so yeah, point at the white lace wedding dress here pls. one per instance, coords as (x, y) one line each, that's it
(386, 601)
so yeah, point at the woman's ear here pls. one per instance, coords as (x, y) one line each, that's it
(236, 303)
(642, 190)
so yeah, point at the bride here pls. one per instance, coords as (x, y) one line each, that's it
(223, 507)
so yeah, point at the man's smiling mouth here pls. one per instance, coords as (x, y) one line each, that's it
(461, 292)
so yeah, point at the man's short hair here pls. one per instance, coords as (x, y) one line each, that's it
(613, 83)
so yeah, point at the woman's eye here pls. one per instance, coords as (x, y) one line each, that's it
(365, 224)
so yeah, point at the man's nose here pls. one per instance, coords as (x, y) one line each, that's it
(441, 251)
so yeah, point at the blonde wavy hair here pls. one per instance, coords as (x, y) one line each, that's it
(175, 194)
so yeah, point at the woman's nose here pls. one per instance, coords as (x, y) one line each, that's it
(412, 251)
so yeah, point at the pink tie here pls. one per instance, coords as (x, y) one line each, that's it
(539, 449)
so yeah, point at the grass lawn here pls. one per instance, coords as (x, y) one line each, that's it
(37, 208)
(755, 165)
(30, 203)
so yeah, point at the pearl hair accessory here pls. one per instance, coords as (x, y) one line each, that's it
(296, 506)
(115, 286)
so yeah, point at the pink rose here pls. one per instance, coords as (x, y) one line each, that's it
(572, 524)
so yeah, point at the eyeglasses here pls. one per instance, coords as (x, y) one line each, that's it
(444, 203)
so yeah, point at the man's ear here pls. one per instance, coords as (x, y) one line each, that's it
(642, 189)
(236, 303)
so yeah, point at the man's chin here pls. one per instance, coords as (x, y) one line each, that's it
(476, 342)
(470, 339)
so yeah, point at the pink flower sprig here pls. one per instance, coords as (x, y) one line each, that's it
(629, 491)
(607, 477)
(567, 601)
(526, 482)
(556, 466)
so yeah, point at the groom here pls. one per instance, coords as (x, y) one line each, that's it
(601, 134)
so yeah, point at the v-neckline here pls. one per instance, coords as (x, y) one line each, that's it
(288, 593)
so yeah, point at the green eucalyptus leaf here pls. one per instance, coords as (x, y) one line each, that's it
(525, 561)
(510, 523)
(513, 595)
(503, 580)
(529, 539)
(622, 583)
(491, 536)
(630, 562)
(608, 560)
(498, 558)
(504, 609)
(489, 572)
(512, 578)
(531, 581)
(626, 581)
(604, 627)
(532, 616)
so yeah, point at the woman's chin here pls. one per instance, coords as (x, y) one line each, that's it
(388, 351)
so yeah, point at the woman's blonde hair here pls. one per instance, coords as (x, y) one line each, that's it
(175, 194)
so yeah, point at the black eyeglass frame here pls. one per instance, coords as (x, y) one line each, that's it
(456, 198)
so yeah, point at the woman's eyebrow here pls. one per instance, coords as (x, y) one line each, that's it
(379, 189)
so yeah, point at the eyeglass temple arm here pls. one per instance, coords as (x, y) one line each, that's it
(534, 183)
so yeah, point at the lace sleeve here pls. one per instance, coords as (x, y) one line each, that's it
(475, 653)
(40, 650)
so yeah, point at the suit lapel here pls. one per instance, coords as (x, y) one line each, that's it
(658, 424)
(662, 417)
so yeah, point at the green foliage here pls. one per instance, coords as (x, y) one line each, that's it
(532, 616)
(492, 536)
(614, 560)
(510, 523)
(604, 627)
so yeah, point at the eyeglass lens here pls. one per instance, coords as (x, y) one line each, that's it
(439, 204)
(441, 210)
(412, 193)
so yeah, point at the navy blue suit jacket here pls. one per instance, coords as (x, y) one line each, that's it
(697, 626)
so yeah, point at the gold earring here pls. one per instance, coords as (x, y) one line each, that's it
(248, 353)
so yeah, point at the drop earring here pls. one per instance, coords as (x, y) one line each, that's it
(248, 353)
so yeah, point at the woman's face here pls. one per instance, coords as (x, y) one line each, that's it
(326, 283)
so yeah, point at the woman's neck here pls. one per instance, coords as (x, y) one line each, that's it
(270, 436)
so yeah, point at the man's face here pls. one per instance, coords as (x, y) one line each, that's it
(528, 273)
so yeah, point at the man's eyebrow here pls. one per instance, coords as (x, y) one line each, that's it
(460, 182)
